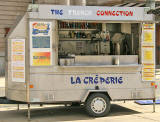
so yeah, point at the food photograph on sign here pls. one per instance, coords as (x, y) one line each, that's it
(41, 58)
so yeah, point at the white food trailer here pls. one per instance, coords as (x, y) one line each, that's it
(89, 55)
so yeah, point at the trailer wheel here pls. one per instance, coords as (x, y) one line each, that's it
(97, 105)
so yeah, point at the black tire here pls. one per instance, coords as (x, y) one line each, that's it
(102, 98)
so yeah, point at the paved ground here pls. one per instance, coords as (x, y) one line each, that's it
(120, 112)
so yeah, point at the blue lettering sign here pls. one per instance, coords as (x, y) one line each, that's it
(97, 80)
(86, 80)
(57, 12)
(72, 82)
(120, 81)
(77, 81)
(107, 80)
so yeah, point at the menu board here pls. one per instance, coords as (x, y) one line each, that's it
(41, 43)
(148, 52)
(18, 60)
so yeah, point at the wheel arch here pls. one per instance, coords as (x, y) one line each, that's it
(89, 92)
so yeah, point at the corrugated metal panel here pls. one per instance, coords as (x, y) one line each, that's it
(15, 3)
(118, 5)
(13, 8)
(140, 4)
(130, 4)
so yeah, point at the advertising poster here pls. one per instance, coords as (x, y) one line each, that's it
(148, 26)
(18, 60)
(148, 33)
(41, 28)
(148, 52)
(148, 36)
(148, 72)
(148, 55)
(41, 58)
(41, 43)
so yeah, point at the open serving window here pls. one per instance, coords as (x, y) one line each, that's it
(95, 43)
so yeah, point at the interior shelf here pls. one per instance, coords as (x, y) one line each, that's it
(74, 29)
(75, 39)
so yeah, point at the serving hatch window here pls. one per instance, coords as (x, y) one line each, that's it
(91, 39)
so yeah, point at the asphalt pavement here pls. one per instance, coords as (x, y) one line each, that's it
(120, 112)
